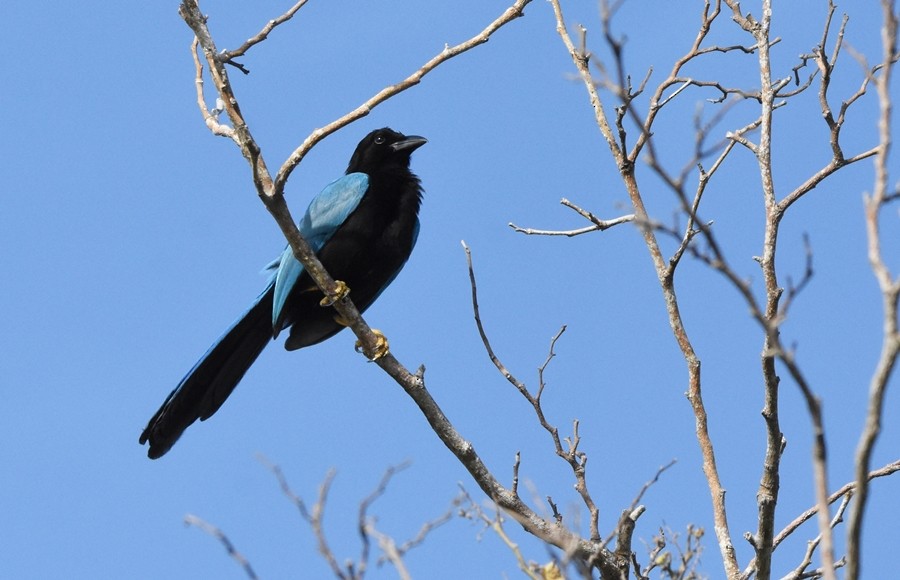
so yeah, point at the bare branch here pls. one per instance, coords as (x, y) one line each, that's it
(389, 548)
(365, 524)
(519, 385)
(192, 520)
(800, 570)
(637, 499)
(844, 494)
(581, 59)
(772, 315)
(847, 490)
(826, 66)
(598, 224)
(314, 517)
(625, 162)
(650, 483)
(366, 528)
(473, 511)
(285, 487)
(724, 91)
(227, 56)
(510, 14)
(888, 284)
(211, 120)
(426, 529)
(550, 355)
(576, 459)
(515, 476)
(271, 191)
(817, 178)
(794, 290)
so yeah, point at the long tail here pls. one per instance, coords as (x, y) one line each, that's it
(206, 386)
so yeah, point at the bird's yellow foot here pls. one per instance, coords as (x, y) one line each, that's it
(381, 346)
(341, 292)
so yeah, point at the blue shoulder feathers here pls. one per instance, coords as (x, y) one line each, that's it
(325, 214)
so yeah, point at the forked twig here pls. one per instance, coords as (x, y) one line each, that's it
(576, 459)
(228, 56)
(597, 223)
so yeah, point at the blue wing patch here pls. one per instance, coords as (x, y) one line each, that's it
(325, 214)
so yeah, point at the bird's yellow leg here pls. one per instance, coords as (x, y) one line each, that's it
(381, 342)
(341, 292)
(381, 346)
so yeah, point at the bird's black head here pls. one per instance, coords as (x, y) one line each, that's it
(384, 149)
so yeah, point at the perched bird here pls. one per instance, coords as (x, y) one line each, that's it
(362, 227)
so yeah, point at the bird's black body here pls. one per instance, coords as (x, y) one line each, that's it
(363, 226)
(366, 252)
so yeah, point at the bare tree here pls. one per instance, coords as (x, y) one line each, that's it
(770, 308)
(627, 117)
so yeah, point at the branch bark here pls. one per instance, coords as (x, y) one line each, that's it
(887, 283)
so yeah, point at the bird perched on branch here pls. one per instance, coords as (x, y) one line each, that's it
(362, 227)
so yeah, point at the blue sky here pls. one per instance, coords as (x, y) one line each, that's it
(132, 237)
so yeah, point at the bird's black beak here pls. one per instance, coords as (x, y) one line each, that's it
(410, 144)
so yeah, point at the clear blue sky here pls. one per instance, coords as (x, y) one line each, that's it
(132, 237)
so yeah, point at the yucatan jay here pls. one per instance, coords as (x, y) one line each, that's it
(362, 227)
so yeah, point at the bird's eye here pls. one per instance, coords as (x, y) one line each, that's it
(379, 139)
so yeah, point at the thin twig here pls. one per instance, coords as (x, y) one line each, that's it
(474, 512)
(192, 520)
(800, 570)
(662, 469)
(365, 527)
(230, 55)
(626, 515)
(597, 223)
(426, 529)
(315, 516)
(576, 459)
(510, 14)
(211, 120)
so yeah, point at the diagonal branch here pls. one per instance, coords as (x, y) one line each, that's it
(271, 191)
(228, 56)
(510, 14)
(192, 520)
(570, 453)
(844, 493)
(413, 384)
